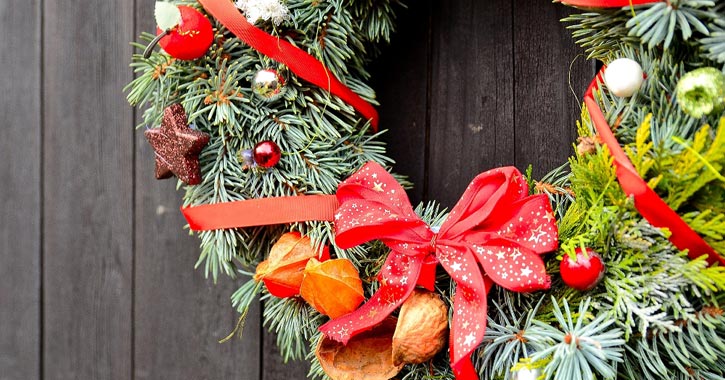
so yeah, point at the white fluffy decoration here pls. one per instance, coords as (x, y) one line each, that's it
(265, 10)
(623, 77)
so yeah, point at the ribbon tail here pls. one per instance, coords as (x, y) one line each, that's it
(470, 308)
(467, 330)
(399, 276)
(464, 369)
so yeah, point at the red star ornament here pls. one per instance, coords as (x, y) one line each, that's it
(177, 146)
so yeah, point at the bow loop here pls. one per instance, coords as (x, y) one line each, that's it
(373, 206)
(486, 201)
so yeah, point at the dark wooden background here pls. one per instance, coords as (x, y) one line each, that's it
(96, 273)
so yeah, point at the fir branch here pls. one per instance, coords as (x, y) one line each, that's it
(657, 23)
(578, 349)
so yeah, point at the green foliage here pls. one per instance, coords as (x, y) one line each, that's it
(698, 164)
(295, 323)
(578, 349)
(658, 22)
(507, 340)
(714, 44)
(600, 33)
(323, 139)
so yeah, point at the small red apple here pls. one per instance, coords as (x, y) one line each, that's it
(183, 32)
(584, 272)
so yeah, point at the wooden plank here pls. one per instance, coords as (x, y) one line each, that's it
(274, 367)
(179, 315)
(20, 205)
(472, 90)
(88, 176)
(400, 77)
(546, 107)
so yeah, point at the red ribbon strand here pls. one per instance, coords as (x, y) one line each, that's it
(297, 60)
(260, 212)
(647, 202)
(496, 225)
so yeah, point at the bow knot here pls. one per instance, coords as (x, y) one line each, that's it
(495, 226)
(432, 248)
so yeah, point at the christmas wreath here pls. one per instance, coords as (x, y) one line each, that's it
(608, 267)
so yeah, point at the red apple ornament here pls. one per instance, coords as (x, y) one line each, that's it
(584, 272)
(183, 32)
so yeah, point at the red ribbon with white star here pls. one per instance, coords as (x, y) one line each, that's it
(496, 226)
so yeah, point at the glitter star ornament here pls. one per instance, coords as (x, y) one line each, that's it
(177, 146)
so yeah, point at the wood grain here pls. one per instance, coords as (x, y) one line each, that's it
(274, 367)
(472, 90)
(547, 63)
(179, 315)
(88, 174)
(20, 188)
(400, 77)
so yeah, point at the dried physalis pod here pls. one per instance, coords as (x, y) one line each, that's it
(367, 356)
(332, 287)
(283, 270)
(587, 145)
(422, 328)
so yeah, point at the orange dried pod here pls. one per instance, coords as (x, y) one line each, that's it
(283, 271)
(332, 287)
(367, 356)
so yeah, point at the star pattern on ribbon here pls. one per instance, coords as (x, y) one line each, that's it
(494, 235)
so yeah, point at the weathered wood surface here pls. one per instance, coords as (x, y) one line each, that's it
(88, 191)
(97, 278)
(20, 190)
(179, 316)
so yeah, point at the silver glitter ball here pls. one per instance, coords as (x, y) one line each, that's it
(268, 84)
(527, 374)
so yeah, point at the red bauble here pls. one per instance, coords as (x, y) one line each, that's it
(191, 38)
(585, 272)
(267, 154)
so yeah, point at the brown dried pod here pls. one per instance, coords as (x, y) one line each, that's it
(422, 328)
(367, 356)
(587, 145)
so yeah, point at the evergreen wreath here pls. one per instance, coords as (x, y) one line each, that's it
(619, 297)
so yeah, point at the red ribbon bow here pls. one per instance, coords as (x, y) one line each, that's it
(496, 225)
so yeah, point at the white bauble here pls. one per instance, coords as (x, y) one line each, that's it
(527, 374)
(623, 77)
